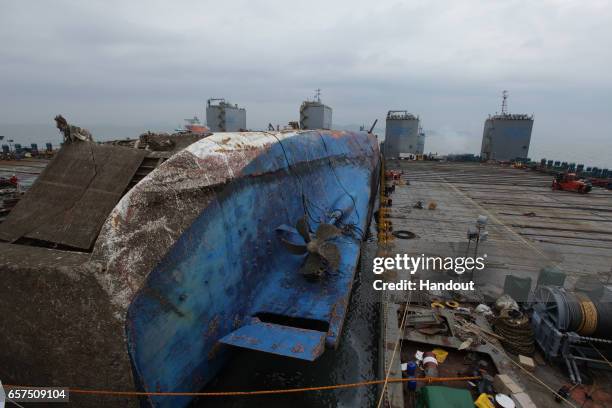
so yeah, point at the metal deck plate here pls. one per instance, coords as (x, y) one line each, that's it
(71, 199)
(277, 339)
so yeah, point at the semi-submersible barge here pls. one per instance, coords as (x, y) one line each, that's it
(139, 267)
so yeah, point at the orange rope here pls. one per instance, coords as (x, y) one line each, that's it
(260, 392)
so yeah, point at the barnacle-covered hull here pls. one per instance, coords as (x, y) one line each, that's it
(190, 264)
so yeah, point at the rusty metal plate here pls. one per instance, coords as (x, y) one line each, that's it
(70, 200)
(278, 339)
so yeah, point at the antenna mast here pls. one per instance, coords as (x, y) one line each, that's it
(318, 95)
(504, 109)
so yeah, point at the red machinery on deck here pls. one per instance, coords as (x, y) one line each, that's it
(569, 182)
(601, 182)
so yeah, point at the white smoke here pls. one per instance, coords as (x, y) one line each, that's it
(447, 140)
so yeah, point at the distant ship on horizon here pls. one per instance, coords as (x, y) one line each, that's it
(193, 126)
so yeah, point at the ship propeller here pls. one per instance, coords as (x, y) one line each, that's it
(323, 255)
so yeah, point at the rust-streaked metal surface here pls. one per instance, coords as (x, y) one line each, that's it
(57, 326)
(284, 340)
(71, 199)
(188, 255)
(229, 265)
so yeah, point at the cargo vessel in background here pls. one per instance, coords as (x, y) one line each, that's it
(152, 261)
(404, 137)
(157, 259)
(193, 125)
(314, 114)
(222, 116)
(506, 136)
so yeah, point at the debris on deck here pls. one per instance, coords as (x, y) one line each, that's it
(537, 328)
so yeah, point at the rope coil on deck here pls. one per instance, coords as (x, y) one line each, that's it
(589, 315)
(517, 334)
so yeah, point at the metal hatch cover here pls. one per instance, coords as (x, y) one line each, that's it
(73, 196)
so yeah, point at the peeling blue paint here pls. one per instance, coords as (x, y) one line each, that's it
(229, 265)
(278, 339)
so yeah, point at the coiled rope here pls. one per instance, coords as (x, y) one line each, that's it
(517, 334)
(589, 315)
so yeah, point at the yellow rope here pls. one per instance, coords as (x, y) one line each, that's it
(599, 352)
(589, 316)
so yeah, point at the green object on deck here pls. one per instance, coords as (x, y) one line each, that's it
(551, 276)
(517, 288)
(444, 397)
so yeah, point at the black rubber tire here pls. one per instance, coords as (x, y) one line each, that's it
(403, 234)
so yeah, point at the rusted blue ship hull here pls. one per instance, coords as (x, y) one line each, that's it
(228, 280)
(150, 283)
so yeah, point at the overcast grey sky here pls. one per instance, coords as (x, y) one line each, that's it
(151, 63)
